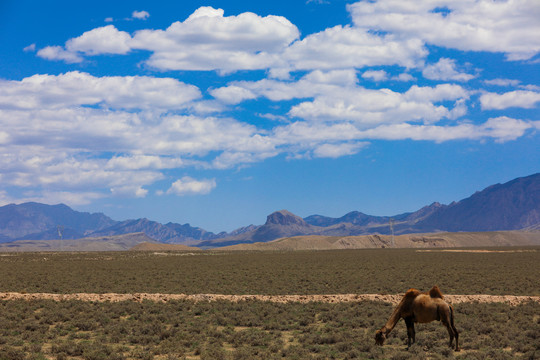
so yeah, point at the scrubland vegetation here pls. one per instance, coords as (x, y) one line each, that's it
(274, 273)
(254, 330)
(45, 329)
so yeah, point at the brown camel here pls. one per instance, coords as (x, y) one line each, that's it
(418, 307)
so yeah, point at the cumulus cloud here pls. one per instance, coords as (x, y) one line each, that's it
(346, 101)
(77, 88)
(501, 129)
(190, 186)
(120, 135)
(384, 32)
(312, 138)
(375, 75)
(59, 53)
(208, 40)
(505, 128)
(59, 132)
(502, 82)
(337, 150)
(141, 15)
(350, 47)
(519, 98)
(232, 94)
(312, 84)
(405, 77)
(507, 26)
(103, 40)
(445, 69)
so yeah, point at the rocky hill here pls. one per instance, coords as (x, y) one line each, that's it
(42, 221)
(278, 224)
(169, 233)
(510, 206)
(34, 221)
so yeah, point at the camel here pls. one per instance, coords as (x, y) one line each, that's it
(418, 307)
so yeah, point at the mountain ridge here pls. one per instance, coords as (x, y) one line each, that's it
(513, 205)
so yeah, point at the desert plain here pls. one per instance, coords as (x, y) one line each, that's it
(222, 304)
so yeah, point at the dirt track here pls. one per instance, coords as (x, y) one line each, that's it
(393, 299)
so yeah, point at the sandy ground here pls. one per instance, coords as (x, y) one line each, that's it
(476, 251)
(393, 299)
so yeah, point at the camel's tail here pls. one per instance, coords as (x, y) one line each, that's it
(452, 317)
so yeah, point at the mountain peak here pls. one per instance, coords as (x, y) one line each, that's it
(284, 217)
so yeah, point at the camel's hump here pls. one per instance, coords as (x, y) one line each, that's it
(435, 292)
(412, 293)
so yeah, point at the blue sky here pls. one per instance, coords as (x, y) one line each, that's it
(218, 113)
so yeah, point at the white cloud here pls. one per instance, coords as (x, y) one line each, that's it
(59, 132)
(117, 136)
(232, 94)
(506, 26)
(65, 197)
(344, 78)
(141, 15)
(81, 89)
(384, 32)
(230, 159)
(190, 186)
(501, 129)
(337, 150)
(502, 82)
(58, 53)
(504, 128)
(30, 48)
(139, 162)
(530, 87)
(103, 40)
(314, 83)
(368, 107)
(344, 100)
(349, 47)
(4, 137)
(339, 139)
(519, 98)
(208, 40)
(375, 75)
(445, 69)
(405, 77)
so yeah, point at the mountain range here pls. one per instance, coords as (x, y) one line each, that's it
(514, 205)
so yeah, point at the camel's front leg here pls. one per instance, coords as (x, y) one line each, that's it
(411, 336)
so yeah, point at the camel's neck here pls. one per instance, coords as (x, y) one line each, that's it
(393, 320)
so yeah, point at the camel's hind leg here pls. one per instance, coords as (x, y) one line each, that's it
(411, 335)
(447, 318)
(456, 334)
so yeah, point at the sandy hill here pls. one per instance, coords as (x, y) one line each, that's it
(147, 246)
(103, 243)
(460, 239)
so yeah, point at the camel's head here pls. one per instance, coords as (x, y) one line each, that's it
(380, 337)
